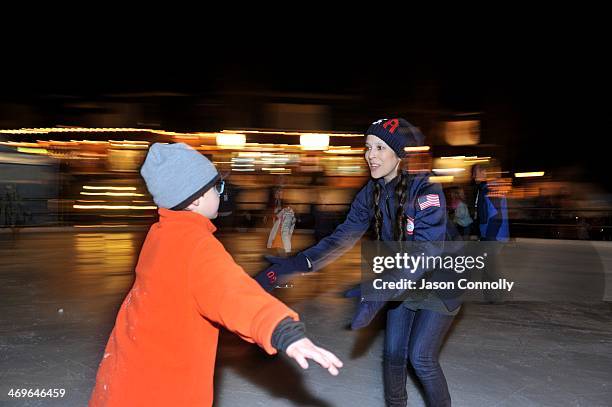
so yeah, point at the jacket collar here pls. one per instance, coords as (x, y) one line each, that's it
(389, 186)
(167, 216)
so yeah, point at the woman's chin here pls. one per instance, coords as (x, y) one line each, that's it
(375, 174)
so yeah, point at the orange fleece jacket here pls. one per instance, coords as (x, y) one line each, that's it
(162, 349)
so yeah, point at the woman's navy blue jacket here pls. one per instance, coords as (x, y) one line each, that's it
(425, 209)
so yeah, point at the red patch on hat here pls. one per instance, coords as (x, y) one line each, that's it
(393, 123)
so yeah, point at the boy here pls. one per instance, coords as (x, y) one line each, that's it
(162, 349)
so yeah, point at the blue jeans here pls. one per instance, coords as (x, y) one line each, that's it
(415, 336)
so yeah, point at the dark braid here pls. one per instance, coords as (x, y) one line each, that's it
(401, 220)
(377, 212)
(401, 194)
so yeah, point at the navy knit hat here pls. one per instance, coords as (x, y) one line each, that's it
(176, 175)
(397, 133)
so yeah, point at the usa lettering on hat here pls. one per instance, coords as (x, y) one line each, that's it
(393, 123)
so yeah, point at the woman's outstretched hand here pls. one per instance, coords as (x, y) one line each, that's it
(280, 269)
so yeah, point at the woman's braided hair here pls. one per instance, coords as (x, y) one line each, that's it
(401, 195)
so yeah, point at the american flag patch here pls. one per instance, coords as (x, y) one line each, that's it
(429, 200)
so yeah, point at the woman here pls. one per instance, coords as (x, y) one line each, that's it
(398, 206)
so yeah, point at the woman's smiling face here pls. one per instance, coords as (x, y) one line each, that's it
(382, 160)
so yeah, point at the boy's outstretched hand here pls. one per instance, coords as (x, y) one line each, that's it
(304, 349)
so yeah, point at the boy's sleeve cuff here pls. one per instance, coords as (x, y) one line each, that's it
(266, 322)
(287, 332)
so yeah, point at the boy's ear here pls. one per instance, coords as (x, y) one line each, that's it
(194, 204)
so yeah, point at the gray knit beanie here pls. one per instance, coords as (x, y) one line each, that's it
(177, 174)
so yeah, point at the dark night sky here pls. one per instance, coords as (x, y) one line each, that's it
(554, 98)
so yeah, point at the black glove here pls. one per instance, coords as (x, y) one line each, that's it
(354, 292)
(366, 311)
(281, 269)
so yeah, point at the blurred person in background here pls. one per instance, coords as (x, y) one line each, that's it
(398, 206)
(491, 209)
(283, 223)
(460, 214)
(490, 205)
(12, 212)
